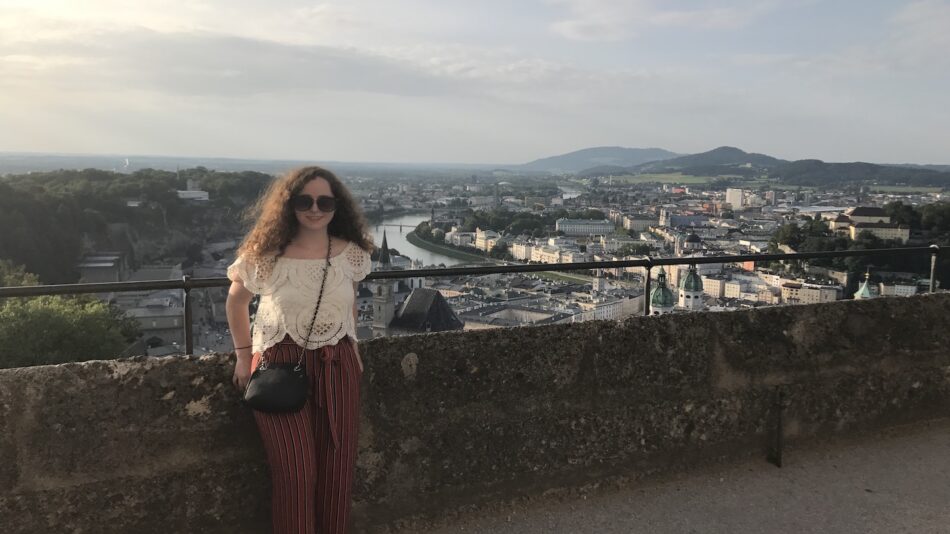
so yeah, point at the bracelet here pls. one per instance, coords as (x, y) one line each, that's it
(239, 348)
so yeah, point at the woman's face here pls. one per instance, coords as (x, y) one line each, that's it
(314, 219)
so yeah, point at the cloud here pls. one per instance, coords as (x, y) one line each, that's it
(368, 80)
(921, 34)
(207, 64)
(913, 43)
(616, 20)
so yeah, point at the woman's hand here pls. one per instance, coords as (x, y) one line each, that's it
(356, 349)
(242, 369)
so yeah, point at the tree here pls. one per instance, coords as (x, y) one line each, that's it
(788, 234)
(423, 230)
(12, 275)
(815, 228)
(53, 329)
(500, 251)
(40, 233)
(903, 214)
(936, 218)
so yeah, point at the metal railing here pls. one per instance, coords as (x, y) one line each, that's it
(187, 283)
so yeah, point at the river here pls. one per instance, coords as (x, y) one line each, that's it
(569, 192)
(396, 238)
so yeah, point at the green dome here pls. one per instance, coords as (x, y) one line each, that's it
(662, 296)
(692, 281)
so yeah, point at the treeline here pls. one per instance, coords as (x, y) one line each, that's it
(507, 222)
(813, 172)
(50, 219)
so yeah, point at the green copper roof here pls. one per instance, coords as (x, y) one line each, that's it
(864, 292)
(692, 281)
(662, 296)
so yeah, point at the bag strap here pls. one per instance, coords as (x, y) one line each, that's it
(313, 321)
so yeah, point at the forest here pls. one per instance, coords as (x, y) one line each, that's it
(50, 218)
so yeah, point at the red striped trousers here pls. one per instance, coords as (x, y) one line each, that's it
(312, 453)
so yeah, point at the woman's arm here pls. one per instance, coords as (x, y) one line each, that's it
(239, 321)
(356, 324)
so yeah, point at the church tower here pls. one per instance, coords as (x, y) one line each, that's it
(691, 291)
(384, 306)
(599, 283)
(661, 298)
(384, 301)
(692, 245)
(384, 263)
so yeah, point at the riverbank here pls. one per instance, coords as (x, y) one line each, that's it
(375, 217)
(446, 251)
(451, 252)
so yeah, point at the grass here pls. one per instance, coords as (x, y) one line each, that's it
(903, 189)
(562, 277)
(446, 251)
(668, 178)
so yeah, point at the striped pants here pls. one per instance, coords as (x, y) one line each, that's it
(312, 453)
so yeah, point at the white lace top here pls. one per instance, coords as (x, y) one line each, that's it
(289, 288)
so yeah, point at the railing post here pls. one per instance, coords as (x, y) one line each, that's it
(646, 287)
(934, 250)
(778, 431)
(189, 342)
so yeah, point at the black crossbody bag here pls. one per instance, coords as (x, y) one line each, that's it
(283, 387)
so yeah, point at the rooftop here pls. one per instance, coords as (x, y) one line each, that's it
(867, 211)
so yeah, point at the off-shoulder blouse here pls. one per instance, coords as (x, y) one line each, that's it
(289, 287)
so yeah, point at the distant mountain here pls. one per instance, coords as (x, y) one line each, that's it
(725, 160)
(722, 156)
(938, 168)
(731, 161)
(817, 172)
(24, 162)
(587, 158)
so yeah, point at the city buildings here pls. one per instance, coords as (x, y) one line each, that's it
(734, 198)
(584, 227)
(883, 230)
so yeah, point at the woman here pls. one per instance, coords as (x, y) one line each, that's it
(302, 220)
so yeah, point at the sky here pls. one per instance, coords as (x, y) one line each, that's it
(477, 81)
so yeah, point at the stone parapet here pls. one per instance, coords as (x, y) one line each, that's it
(455, 420)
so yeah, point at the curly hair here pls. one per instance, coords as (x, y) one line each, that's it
(275, 224)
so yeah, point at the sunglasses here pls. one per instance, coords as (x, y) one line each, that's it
(305, 202)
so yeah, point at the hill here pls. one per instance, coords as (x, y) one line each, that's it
(722, 156)
(721, 161)
(817, 172)
(731, 161)
(587, 158)
(938, 168)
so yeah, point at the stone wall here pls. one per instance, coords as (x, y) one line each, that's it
(157, 445)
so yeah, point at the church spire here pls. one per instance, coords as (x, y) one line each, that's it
(864, 292)
(384, 251)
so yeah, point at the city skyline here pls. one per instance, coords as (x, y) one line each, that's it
(424, 82)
